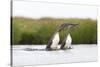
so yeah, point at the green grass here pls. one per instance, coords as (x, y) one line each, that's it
(39, 31)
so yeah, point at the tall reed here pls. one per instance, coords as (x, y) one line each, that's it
(39, 31)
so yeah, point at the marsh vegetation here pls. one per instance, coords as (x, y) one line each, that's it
(39, 31)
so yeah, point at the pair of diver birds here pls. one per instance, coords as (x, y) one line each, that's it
(66, 43)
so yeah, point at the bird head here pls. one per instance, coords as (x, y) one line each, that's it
(69, 25)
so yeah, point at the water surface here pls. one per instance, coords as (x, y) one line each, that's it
(79, 53)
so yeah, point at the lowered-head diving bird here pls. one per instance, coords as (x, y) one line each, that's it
(66, 44)
(54, 41)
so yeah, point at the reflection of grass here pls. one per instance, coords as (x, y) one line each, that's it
(38, 31)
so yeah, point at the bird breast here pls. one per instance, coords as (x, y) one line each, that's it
(55, 41)
(68, 39)
(68, 42)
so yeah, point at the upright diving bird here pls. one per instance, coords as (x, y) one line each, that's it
(66, 44)
(54, 41)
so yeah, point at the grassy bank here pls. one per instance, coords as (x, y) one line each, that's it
(39, 31)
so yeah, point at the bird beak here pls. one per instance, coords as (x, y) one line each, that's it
(74, 25)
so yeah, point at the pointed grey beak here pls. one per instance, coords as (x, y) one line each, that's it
(73, 25)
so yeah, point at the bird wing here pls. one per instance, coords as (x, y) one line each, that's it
(49, 44)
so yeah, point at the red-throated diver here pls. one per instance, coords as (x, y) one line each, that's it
(66, 44)
(54, 41)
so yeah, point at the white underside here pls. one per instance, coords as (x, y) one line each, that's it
(55, 41)
(68, 42)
